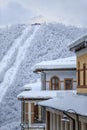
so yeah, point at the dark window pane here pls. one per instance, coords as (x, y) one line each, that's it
(54, 83)
(68, 84)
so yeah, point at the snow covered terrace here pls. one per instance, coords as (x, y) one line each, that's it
(62, 63)
(43, 94)
(33, 86)
(69, 102)
(37, 95)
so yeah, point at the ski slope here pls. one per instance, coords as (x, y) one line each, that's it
(17, 51)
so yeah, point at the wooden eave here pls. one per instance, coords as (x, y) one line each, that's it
(35, 99)
(60, 110)
(60, 69)
(79, 46)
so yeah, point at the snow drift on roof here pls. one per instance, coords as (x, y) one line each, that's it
(40, 94)
(63, 63)
(70, 102)
(33, 86)
(37, 94)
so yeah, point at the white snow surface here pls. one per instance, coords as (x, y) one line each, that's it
(70, 102)
(38, 94)
(61, 63)
(46, 42)
(33, 86)
(22, 48)
(41, 94)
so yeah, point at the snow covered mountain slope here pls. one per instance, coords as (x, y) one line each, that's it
(7, 36)
(33, 45)
(18, 51)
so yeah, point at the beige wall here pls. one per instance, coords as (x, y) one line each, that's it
(82, 59)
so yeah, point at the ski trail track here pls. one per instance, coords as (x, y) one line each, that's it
(21, 44)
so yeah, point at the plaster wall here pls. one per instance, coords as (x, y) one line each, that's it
(61, 75)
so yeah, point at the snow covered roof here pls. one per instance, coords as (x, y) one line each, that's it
(39, 94)
(43, 94)
(69, 102)
(63, 63)
(79, 43)
(33, 86)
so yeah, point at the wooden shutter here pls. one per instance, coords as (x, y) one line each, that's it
(84, 74)
(48, 120)
(32, 112)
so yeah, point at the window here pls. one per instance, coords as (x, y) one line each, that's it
(36, 113)
(78, 71)
(54, 83)
(83, 125)
(68, 83)
(25, 117)
(39, 114)
(84, 74)
(32, 113)
(48, 120)
(81, 72)
(56, 121)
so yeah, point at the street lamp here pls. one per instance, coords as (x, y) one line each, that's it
(69, 117)
(65, 118)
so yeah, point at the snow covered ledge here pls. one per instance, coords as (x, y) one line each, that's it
(64, 93)
(33, 86)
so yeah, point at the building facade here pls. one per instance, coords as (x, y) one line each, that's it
(69, 111)
(57, 74)
(80, 47)
(33, 116)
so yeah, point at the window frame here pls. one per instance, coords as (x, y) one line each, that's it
(65, 79)
(55, 85)
(84, 74)
(36, 118)
(78, 71)
(25, 113)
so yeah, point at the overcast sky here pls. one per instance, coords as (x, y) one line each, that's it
(69, 12)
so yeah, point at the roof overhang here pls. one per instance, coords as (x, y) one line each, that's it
(37, 95)
(79, 44)
(33, 99)
(60, 64)
(60, 69)
(71, 106)
(71, 112)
